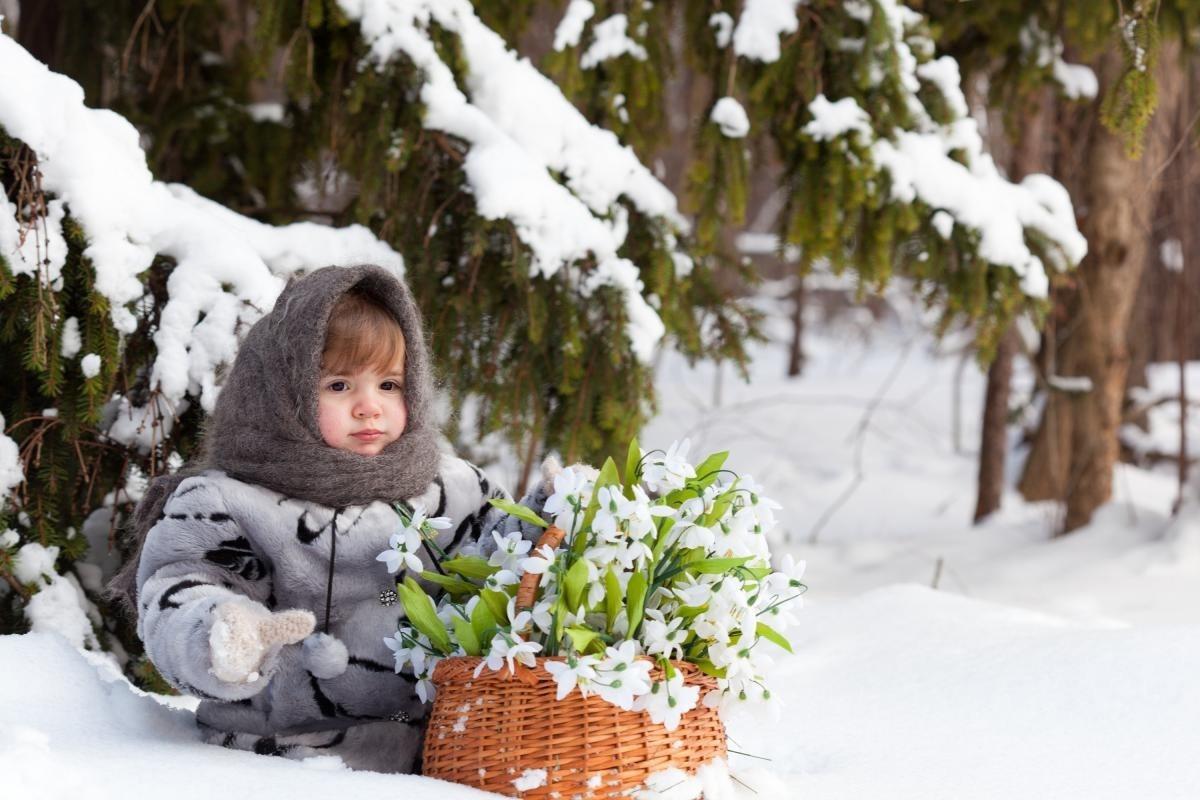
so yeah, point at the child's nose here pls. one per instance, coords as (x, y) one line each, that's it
(367, 407)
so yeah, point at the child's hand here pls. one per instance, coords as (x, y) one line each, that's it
(245, 634)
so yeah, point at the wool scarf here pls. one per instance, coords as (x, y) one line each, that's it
(264, 428)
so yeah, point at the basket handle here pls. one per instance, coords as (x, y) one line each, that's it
(553, 537)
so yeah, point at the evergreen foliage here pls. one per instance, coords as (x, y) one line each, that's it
(276, 111)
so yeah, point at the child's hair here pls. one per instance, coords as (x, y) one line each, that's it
(362, 333)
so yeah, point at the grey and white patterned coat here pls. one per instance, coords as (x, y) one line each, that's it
(219, 539)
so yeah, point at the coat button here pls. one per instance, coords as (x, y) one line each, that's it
(387, 597)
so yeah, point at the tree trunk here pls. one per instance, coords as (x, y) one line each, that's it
(994, 445)
(1033, 151)
(796, 349)
(1076, 446)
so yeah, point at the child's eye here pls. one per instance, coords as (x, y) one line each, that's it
(390, 386)
(337, 386)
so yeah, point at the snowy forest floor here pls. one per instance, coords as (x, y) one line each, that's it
(1037, 667)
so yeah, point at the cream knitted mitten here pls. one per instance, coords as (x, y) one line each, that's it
(245, 635)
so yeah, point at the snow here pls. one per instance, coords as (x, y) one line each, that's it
(611, 41)
(1078, 82)
(11, 471)
(266, 112)
(1037, 667)
(730, 117)
(760, 26)
(34, 563)
(1160, 402)
(831, 120)
(1072, 384)
(569, 31)
(229, 268)
(1170, 253)
(71, 340)
(90, 365)
(530, 779)
(722, 25)
(945, 166)
(520, 129)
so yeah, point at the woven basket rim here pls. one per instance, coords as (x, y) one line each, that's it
(459, 664)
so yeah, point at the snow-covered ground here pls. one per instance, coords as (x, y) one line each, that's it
(1037, 666)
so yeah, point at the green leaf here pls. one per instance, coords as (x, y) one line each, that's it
(581, 637)
(708, 667)
(456, 586)
(574, 584)
(715, 566)
(706, 472)
(767, 632)
(612, 597)
(519, 511)
(635, 600)
(608, 477)
(664, 529)
(497, 603)
(422, 614)
(470, 567)
(465, 632)
(631, 465)
(483, 621)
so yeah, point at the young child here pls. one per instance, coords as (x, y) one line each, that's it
(257, 585)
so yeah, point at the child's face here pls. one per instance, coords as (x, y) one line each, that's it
(362, 411)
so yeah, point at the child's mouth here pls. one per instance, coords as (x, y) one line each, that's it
(367, 436)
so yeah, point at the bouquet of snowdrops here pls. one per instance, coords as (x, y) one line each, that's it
(669, 563)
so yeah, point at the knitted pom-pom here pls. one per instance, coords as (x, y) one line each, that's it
(325, 656)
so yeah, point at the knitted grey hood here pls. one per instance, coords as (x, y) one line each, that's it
(264, 428)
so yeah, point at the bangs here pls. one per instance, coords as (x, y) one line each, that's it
(362, 334)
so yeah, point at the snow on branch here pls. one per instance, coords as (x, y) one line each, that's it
(229, 268)
(944, 165)
(522, 132)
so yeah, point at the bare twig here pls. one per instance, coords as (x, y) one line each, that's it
(859, 439)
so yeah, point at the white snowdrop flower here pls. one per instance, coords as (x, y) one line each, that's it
(692, 591)
(410, 653)
(510, 550)
(540, 563)
(667, 701)
(9, 539)
(90, 365)
(621, 676)
(671, 471)
(572, 493)
(501, 578)
(510, 648)
(424, 687)
(419, 521)
(403, 549)
(697, 536)
(577, 670)
(661, 637)
(542, 618)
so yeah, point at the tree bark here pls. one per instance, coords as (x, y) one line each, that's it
(796, 349)
(1033, 151)
(1076, 446)
(994, 444)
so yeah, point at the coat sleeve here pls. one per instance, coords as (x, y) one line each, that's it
(196, 557)
(462, 493)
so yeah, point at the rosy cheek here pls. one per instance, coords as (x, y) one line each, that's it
(327, 422)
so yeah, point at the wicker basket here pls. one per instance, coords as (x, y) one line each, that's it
(487, 731)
